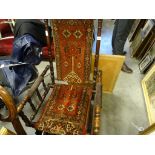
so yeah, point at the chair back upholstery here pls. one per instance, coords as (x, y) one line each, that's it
(73, 47)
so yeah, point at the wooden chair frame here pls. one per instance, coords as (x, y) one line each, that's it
(16, 111)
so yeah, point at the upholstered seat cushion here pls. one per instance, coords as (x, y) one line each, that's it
(66, 111)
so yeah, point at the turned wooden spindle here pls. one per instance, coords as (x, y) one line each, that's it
(49, 50)
(99, 32)
(97, 105)
(32, 90)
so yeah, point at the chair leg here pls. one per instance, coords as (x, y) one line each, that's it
(89, 129)
(38, 132)
(18, 127)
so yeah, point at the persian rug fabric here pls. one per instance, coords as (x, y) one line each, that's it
(66, 111)
(73, 47)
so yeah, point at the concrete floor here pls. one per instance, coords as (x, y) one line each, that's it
(124, 111)
(125, 108)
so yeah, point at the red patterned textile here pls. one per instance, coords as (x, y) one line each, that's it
(66, 111)
(73, 47)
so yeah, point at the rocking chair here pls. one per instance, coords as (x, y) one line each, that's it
(74, 105)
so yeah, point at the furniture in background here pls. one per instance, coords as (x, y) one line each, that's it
(148, 85)
(148, 59)
(143, 40)
(138, 24)
(111, 67)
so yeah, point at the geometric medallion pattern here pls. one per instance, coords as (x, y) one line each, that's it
(73, 49)
(77, 34)
(66, 110)
(66, 33)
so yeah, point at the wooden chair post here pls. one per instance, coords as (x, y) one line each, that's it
(49, 51)
(99, 32)
(97, 105)
(97, 77)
